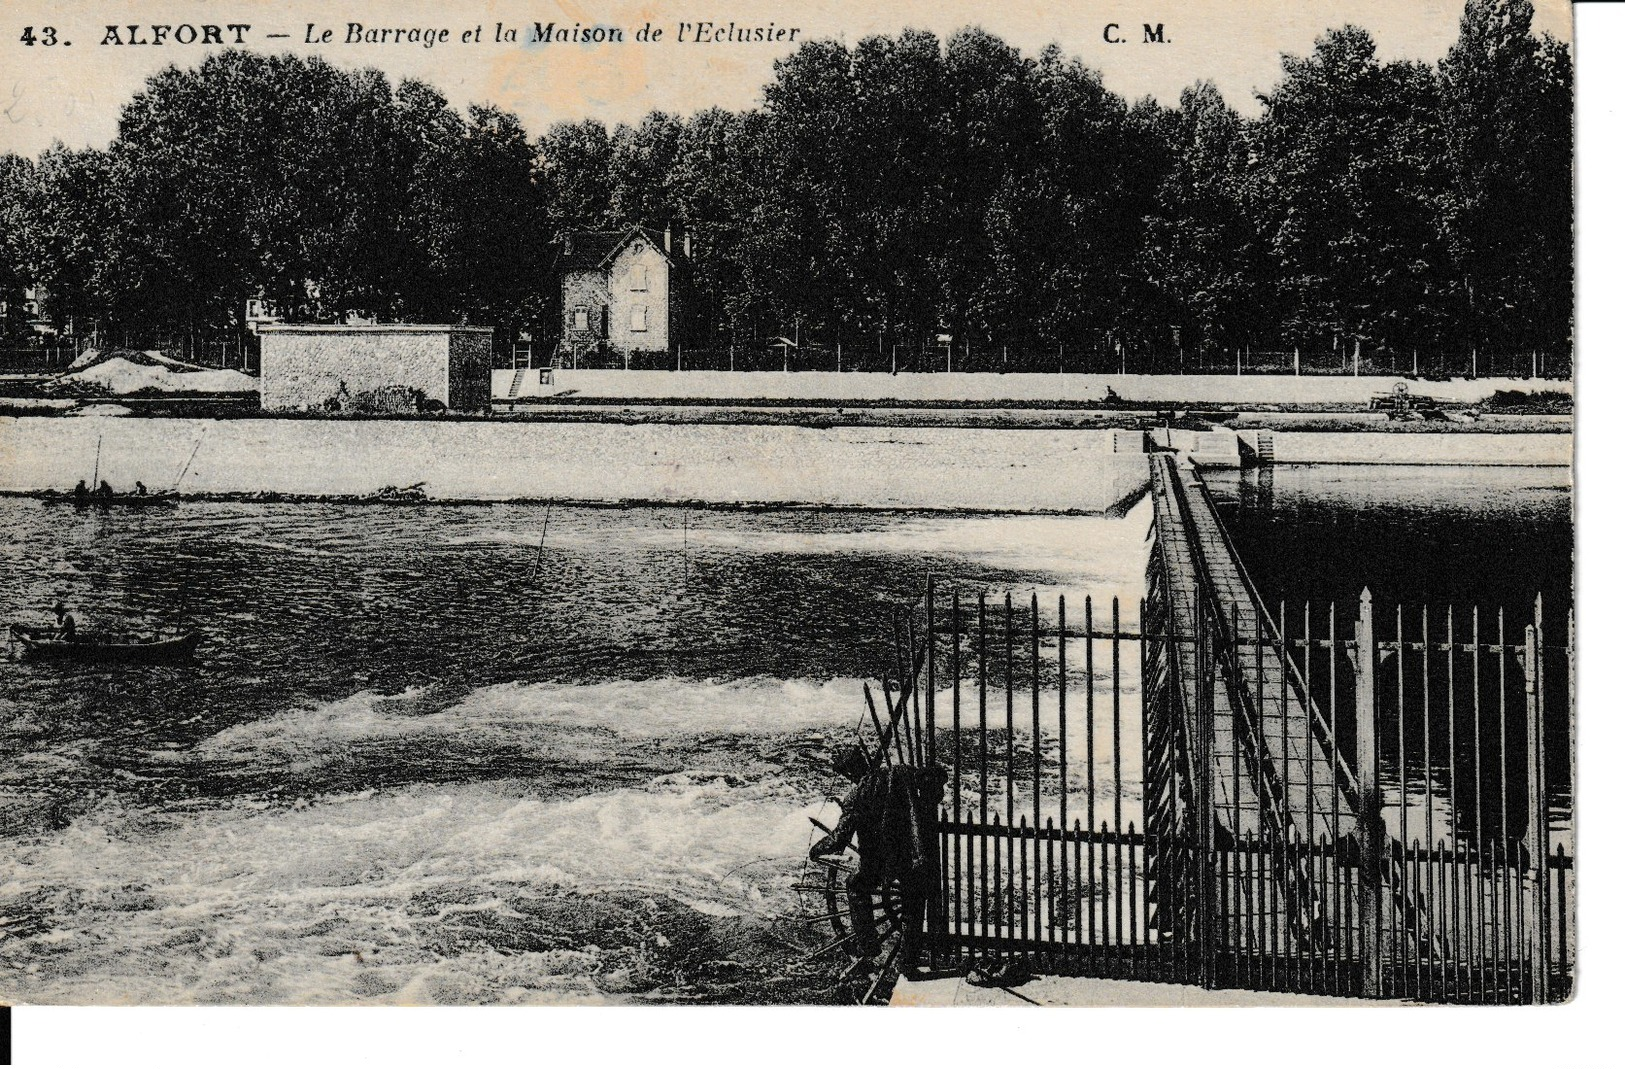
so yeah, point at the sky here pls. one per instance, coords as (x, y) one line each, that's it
(72, 91)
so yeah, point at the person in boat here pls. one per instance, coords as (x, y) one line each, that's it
(104, 492)
(140, 488)
(888, 814)
(66, 628)
(81, 492)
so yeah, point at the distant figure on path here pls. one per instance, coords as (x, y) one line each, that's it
(66, 628)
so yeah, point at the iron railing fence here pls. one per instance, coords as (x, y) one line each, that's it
(227, 351)
(887, 357)
(1088, 828)
(39, 360)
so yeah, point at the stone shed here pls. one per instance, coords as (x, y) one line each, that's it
(374, 368)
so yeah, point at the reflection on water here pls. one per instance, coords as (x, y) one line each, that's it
(1440, 543)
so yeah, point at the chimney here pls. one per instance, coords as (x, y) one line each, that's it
(688, 246)
(668, 239)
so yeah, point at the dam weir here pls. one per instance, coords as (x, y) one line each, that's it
(1342, 800)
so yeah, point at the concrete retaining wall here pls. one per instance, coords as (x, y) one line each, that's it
(945, 387)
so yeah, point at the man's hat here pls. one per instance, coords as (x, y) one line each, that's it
(852, 761)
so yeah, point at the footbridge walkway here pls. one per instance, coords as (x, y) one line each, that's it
(1192, 788)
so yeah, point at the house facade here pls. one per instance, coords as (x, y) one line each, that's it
(618, 290)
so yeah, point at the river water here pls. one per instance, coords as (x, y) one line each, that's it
(421, 758)
(1484, 538)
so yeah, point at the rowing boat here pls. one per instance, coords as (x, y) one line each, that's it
(43, 643)
(162, 499)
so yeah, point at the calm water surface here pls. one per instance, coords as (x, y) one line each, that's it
(1489, 538)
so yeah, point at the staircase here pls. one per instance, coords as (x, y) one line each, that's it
(513, 387)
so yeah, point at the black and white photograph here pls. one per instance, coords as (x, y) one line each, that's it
(939, 505)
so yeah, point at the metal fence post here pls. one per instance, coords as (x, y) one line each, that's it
(1369, 823)
(1206, 664)
(1536, 835)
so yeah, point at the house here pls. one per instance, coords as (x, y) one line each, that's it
(386, 367)
(619, 290)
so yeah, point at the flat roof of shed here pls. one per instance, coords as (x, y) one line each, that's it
(378, 328)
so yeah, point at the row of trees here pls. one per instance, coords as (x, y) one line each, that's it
(320, 190)
(897, 189)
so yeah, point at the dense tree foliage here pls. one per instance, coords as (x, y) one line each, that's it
(882, 194)
(320, 190)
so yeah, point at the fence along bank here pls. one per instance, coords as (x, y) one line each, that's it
(1342, 800)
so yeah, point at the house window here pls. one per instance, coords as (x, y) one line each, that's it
(640, 277)
(640, 317)
(578, 319)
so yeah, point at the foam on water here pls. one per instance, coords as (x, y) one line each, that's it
(418, 895)
(1067, 547)
(376, 787)
(538, 714)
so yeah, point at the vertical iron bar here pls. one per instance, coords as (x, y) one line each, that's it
(1560, 875)
(1117, 723)
(1462, 952)
(938, 908)
(1503, 912)
(981, 752)
(1204, 816)
(995, 910)
(1117, 775)
(1333, 647)
(917, 734)
(958, 750)
(1459, 951)
(1501, 641)
(1146, 803)
(1078, 899)
(1089, 749)
(1009, 716)
(1540, 837)
(958, 753)
(1060, 676)
(1223, 879)
(1413, 905)
(981, 697)
(1108, 895)
(1427, 731)
(1038, 749)
(1025, 885)
(1402, 925)
(1048, 916)
(1255, 966)
(1326, 948)
(1370, 815)
(930, 670)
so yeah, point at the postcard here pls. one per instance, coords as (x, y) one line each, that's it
(919, 504)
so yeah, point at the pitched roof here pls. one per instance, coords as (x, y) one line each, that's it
(591, 250)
